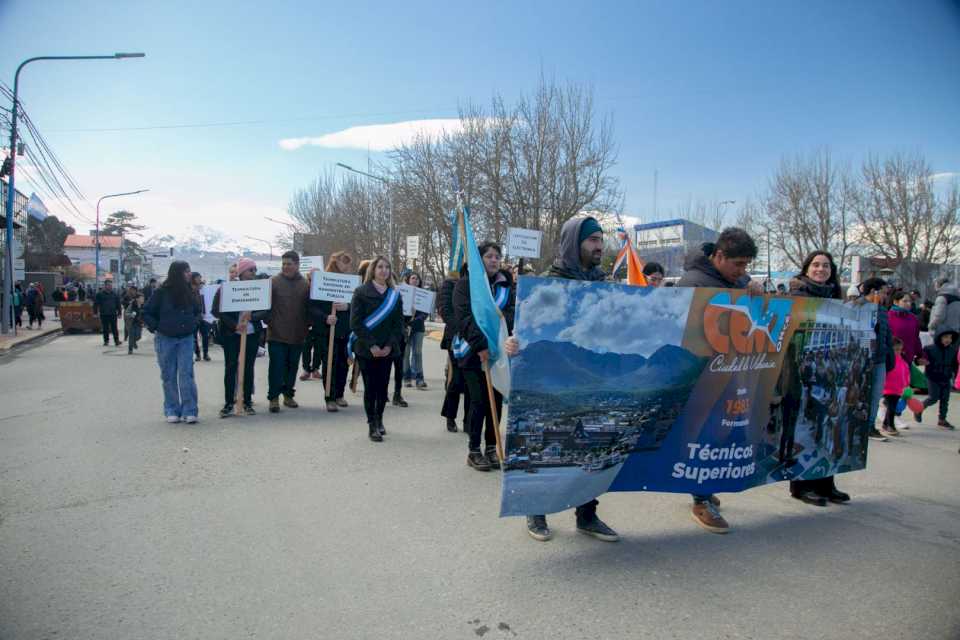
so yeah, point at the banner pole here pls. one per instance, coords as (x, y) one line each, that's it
(493, 411)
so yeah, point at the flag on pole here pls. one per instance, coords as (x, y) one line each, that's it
(629, 256)
(485, 311)
(456, 246)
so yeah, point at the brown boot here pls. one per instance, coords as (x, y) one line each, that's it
(275, 405)
(709, 518)
(288, 401)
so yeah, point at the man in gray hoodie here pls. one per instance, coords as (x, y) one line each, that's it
(581, 248)
(946, 309)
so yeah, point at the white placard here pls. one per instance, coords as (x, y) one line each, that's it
(423, 300)
(333, 287)
(406, 295)
(208, 291)
(523, 243)
(413, 247)
(245, 295)
(309, 263)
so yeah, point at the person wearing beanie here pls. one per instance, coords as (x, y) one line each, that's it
(233, 324)
(581, 249)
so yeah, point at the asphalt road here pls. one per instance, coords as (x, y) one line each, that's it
(116, 525)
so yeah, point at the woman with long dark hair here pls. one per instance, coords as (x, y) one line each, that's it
(413, 353)
(376, 322)
(818, 278)
(471, 350)
(173, 314)
(324, 316)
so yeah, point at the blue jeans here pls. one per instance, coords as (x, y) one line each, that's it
(413, 358)
(876, 392)
(175, 357)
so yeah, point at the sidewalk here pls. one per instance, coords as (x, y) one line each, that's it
(24, 334)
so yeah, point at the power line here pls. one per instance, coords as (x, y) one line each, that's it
(240, 123)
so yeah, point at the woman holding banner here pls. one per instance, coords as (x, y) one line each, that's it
(470, 349)
(324, 315)
(376, 322)
(413, 354)
(233, 325)
(817, 279)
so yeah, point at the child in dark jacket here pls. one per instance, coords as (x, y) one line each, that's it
(941, 369)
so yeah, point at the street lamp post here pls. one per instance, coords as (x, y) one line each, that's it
(96, 280)
(266, 242)
(389, 198)
(11, 190)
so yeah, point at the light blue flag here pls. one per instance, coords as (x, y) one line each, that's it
(486, 313)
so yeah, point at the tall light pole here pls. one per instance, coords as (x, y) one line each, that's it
(96, 280)
(266, 242)
(386, 182)
(11, 190)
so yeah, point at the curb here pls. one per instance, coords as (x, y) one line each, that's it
(30, 340)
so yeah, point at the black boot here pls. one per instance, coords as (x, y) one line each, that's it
(451, 425)
(398, 400)
(380, 428)
(374, 431)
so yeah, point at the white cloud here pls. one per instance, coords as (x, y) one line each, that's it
(376, 137)
(546, 305)
(609, 321)
(947, 175)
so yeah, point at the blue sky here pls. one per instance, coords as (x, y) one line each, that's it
(711, 94)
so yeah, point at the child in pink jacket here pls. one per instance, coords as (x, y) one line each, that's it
(897, 380)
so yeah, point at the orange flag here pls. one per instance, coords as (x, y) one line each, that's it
(634, 267)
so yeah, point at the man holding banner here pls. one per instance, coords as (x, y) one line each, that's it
(581, 249)
(722, 264)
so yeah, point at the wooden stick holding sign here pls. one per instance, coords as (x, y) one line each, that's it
(244, 296)
(241, 361)
(329, 372)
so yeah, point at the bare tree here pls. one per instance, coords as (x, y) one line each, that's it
(901, 216)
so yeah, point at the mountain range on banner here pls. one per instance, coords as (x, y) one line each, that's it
(546, 365)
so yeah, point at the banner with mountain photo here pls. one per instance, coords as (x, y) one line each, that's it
(623, 388)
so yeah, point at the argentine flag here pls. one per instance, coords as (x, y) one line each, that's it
(486, 313)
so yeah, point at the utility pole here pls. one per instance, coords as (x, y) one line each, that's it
(655, 194)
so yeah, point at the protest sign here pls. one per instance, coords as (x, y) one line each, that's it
(620, 388)
(245, 295)
(333, 287)
(309, 263)
(423, 300)
(208, 292)
(523, 243)
(406, 297)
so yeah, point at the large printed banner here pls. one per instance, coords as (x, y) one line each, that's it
(621, 388)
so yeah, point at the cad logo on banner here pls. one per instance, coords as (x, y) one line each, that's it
(754, 327)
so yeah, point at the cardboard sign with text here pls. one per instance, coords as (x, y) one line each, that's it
(333, 287)
(245, 295)
(523, 243)
(309, 263)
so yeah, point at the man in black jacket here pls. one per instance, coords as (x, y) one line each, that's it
(722, 264)
(107, 304)
(581, 248)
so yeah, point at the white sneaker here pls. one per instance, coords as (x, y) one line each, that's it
(190, 419)
(173, 419)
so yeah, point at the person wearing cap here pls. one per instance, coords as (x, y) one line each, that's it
(853, 292)
(581, 249)
(233, 324)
